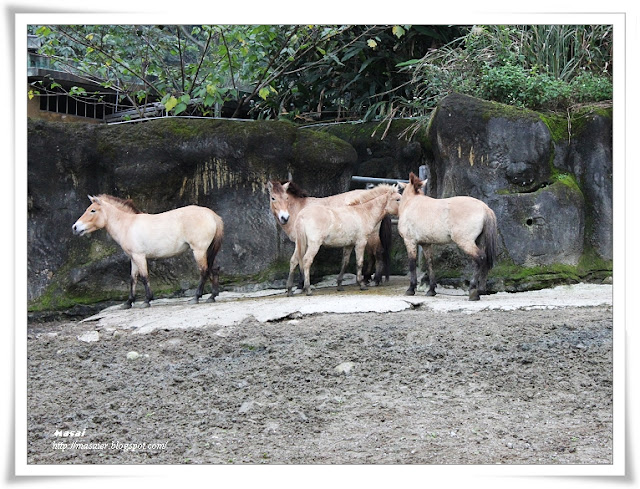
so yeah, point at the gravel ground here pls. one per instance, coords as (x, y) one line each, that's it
(422, 385)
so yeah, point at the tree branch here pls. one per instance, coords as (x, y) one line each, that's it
(107, 55)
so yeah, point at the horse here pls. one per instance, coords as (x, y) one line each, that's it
(163, 235)
(287, 199)
(465, 221)
(347, 227)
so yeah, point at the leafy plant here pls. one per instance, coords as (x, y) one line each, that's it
(307, 73)
(538, 67)
(300, 72)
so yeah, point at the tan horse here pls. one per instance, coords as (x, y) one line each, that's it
(466, 221)
(170, 233)
(346, 227)
(287, 199)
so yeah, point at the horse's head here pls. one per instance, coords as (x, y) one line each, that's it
(279, 201)
(93, 218)
(393, 203)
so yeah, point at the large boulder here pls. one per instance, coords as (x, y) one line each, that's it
(552, 196)
(590, 159)
(482, 149)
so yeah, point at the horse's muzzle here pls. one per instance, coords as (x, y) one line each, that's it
(284, 218)
(78, 230)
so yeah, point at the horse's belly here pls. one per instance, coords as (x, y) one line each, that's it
(434, 238)
(165, 247)
(339, 237)
(425, 237)
(337, 241)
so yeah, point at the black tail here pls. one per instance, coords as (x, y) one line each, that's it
(386, 237)
(489, 239)
(213, 249)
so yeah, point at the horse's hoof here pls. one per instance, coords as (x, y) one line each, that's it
(364, 287)
(474, 296)
(340, 288)
(410, 292)
(309, 292)
(431, 293)
(195, 300)
(211, 299)
(144, 305)
(126, 305)
(289, 293)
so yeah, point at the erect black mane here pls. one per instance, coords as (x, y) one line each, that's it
(295, 189)
(124, 204)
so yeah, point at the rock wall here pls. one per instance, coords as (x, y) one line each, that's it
(165, 164)
(551, 191)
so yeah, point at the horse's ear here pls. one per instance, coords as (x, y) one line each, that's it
(415, 182)
(94, 200)
(269, 186)
(285, 186)
(401, 185)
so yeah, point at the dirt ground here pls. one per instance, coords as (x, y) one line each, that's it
(415, 386)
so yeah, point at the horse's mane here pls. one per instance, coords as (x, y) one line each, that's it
(371, 194)
(122, 204)
(296, 190)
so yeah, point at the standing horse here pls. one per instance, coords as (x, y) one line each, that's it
(287, 199)
(346, 227)
(170, 233)
(466, 221)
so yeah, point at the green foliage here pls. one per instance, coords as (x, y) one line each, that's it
(538, 67)
(516, 86)
(588, 87)
(340, 72)
(300, 72)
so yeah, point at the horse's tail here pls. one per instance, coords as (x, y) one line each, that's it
(386, 237)
(215, 245)
(489, 238)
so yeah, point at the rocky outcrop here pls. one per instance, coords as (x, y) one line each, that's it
(551, 189)
(165, 164)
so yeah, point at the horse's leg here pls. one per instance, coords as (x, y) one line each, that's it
(483, 272)
(359, 262)
(368, 270)
(132, 286)
(479, 261)
(427, 251)
(293, 263)
(141, 262)
(307, 261)
(346, 254)
(379, 256)
(215, 284)
(412, 252)
(201, 260)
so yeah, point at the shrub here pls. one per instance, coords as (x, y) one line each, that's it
(589, 87)
(506, 84)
